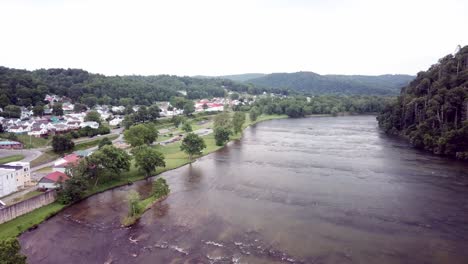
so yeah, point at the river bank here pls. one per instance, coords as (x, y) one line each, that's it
(305, 190)
(174, 158)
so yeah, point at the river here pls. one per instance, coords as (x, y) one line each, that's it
(311, 190)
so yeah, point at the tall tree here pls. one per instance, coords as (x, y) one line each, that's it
(141, 134)
(192, 144)
(61, 144)
(238, 121)
(57, 109)
(147, 159)
(93, 116)
(109, 160)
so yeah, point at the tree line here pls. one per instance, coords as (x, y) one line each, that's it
(432, 111)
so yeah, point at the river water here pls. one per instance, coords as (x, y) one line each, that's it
(312, 190)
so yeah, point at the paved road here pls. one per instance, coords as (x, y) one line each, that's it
(29, 154)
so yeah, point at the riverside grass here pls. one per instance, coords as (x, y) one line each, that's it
(174, 158)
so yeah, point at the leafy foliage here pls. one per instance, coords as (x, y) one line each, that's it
(24, 88)
(62, 143)
(147, 159)
(192, 144)
(160, 188)
(105, 141)
(315, 84)
(187, 127)
(10, 252)
(141, 134)
(238, 121)
(93, 116)
(73, 190)
(432, 111)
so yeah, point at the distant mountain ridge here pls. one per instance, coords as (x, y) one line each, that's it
(315, 84)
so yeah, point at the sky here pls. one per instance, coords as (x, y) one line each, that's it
(216, 37)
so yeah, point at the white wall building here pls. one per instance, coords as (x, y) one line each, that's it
(7, 181)
(23, 173)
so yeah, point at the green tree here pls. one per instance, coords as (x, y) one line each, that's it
(160, 188)
(79, 108)
(222, 120)
(10, 252)
(234, 96)
(38, 110)
(177, 120)
(104, 141)
(221, 135)
(61, 144)
(192, 144)
(141, 134)
(93, 116)
(109, 160)
(153, 112)
(134, 207)
(147, 159)
(189, 107)
(12, 111)
(187, 127)
(89, 100)
(238, 121)
(57, 109)
(73, 190)
(253, 114)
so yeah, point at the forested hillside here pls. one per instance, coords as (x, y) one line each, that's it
(432, 111)
(236, 77)
(316, 84)
(21, 87)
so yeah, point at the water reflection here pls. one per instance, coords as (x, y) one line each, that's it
(316, 190)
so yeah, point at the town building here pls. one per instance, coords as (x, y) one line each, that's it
(52, 180)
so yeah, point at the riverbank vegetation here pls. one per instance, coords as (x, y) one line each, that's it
(137, 206)
(432, 111)
(300, 106)
(174, 158)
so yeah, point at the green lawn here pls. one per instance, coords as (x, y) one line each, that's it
(11, 158)
(92, 143)
(34, 142)
(20, 224)
(45, 157)
(174, 158)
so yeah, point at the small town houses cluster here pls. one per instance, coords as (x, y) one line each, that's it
(15, 176)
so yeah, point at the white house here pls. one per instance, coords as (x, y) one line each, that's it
(118, 109)
(7, 181)
(38, 132)
(90, 124)
(116, 121)
(23, 173)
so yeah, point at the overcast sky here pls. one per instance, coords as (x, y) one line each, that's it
(229, 37)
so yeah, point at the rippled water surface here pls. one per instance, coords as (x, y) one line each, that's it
(314, 190)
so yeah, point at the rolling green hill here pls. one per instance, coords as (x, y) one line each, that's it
(313, 83)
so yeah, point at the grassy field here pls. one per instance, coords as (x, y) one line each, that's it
(92, 143)
(174, 158)
(45, 157)
(11, 158)
(34, 142)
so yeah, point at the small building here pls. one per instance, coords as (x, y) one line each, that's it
(7, 181)
(23, 172)
(116, 121)
(52, 180)
(7, 144)
(91, 124)
(38, 132)
(62, 164)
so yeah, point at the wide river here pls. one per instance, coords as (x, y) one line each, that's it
(312, 190)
